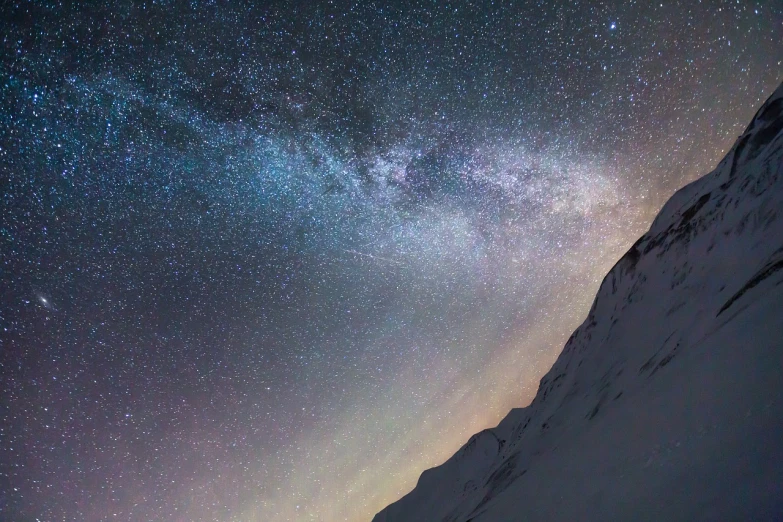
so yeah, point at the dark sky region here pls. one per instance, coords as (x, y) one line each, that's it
(271, 262)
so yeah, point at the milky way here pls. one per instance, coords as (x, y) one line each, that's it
(272, 263)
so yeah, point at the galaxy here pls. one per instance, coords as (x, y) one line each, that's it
(270, 261)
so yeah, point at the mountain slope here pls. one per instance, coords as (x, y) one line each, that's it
(667, 402)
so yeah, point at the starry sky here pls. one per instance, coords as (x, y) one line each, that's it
(271, 262)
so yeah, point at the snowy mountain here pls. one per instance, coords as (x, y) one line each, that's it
(667, 402)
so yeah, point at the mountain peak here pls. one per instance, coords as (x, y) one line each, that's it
(664, 403)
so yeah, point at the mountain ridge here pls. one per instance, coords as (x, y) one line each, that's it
(681, 289)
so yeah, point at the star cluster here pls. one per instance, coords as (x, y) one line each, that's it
(271, 263)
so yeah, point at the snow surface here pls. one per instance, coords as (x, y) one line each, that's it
(667, 402)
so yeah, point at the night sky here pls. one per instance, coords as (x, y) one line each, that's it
(271, 263)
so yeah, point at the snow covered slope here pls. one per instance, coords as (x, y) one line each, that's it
(667, 402)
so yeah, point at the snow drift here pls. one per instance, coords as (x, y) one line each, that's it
(667, 402)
